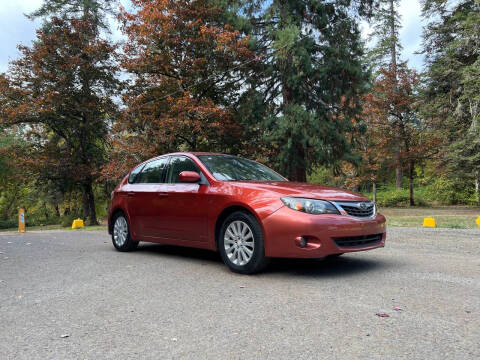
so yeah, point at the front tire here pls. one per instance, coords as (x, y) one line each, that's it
(121, 238)
(241, 244)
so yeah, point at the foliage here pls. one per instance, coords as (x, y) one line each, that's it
(62, 87)
(184, 63)
(86, 10)
(284, 82)
(386, 26)
(452, 81)
(309, 79)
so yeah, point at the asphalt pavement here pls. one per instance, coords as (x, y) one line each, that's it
(70, 295)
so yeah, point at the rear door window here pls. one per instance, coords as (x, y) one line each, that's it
(153, 172)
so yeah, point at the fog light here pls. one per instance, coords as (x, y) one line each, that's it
(301, 241)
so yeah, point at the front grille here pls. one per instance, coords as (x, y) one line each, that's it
(358, 209)
(354, 241)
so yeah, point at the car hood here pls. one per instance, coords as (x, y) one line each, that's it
(290, 188)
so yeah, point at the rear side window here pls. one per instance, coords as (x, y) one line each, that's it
(179, 164)
(153, 172)
(134, 173)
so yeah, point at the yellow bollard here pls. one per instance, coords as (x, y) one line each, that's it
(429, 222)
(478, 221)
(21, 221)
(77, 223)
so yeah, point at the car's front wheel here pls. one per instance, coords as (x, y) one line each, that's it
(121, 237)
(241, 243)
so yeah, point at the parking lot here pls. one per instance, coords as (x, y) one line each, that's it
(70, 295)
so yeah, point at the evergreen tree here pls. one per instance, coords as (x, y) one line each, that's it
(385, 55)
(386, 25)
(452, 96)
(95, 10)
(308, 82)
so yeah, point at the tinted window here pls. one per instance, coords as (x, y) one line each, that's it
(153, 172)
(134, 173)
(231, 168)
(179, 164)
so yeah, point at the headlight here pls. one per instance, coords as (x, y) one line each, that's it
(310, 206)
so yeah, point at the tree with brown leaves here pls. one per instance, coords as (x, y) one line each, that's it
(61, 88)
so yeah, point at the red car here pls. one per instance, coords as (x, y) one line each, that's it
(241, 208)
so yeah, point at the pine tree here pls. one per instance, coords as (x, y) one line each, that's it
(94, 10)
(308, 82)
(385, 55)
(452, 96)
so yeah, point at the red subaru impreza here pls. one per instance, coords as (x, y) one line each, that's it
(241, 208)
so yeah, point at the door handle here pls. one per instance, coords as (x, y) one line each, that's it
(162, 193)
(130, 194)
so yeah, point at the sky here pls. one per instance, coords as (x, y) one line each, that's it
(16, 29)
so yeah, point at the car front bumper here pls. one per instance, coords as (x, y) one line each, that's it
(284, 228)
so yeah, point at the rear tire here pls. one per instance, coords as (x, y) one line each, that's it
(121, 238)
(241, 244)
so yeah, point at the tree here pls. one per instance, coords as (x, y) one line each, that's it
(93, 10)
(62, 87)
(452, 96)
(308, 81)
(186, 69)
(385, 55)
(391, 113)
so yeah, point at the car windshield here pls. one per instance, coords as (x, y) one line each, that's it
(232, 168)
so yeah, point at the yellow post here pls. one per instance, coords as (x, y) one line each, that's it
(21, 221)
(478, 221)
(429, 222)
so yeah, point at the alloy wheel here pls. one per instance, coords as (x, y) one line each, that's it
(239, 243)
(120, 231)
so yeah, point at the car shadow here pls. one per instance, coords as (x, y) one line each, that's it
(180, 251)
(348, 264)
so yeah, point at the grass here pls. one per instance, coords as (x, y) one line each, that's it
(58, 227)
(453, 217)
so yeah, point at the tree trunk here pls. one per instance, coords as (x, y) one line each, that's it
(393, 45)
(477, 186)
(398, 169)
(298, 171)
(374, 189)
(89, 212)
(398, 177)
(45, 210)
(410, 179)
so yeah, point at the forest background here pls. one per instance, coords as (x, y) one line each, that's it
(292, 84)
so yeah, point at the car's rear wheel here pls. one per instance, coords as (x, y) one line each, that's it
(121, 237)
(241, 243)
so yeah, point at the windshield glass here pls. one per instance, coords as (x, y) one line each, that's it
(232, 168)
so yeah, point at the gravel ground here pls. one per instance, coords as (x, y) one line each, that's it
(70, 295)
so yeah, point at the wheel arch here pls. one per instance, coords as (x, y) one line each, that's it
(115, 211)
(227, 212)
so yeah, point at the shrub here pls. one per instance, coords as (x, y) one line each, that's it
(8, 224)
(392, 197)
(67, 220)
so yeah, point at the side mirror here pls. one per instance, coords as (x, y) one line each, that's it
(189, 177)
